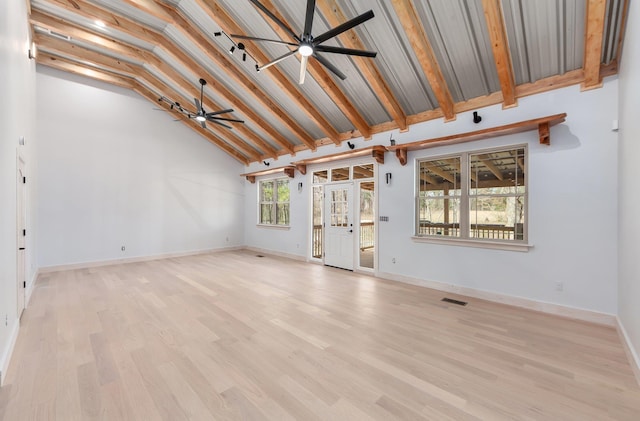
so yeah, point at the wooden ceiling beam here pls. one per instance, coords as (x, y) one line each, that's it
(152, 96)
(44, 20)
(321, 76)
(80, 54)
(594, 32)
(236, 74)
(68, 51)
(442, 173)
(335, 16)
(219, 15)
(501, 54)
(132, 28)
(412, 25)
(486, 160)
(66, 65)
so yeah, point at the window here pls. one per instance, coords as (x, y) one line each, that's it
(274, 202)
(474, 195)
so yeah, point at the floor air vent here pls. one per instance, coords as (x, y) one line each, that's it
(259, 255)
(452, 301)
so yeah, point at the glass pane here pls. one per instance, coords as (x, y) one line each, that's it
(266, 214)
(367, 224)
(320, 176)
(316, 235)
(339, 208)
(363, 171)
(282, 211)
(439, 216)
(283, 191)
(500, 172)
(266, 191)
(500, 218)
(440, 177)
(340, 174)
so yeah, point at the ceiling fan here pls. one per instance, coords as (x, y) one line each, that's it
(308, 45)
(201, 115)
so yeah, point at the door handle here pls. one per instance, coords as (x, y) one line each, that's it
(350, 230)
(21, 248)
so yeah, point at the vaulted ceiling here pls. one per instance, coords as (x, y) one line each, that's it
(436, 58)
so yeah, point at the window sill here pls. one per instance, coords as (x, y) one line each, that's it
(275, 227)
(494, 245)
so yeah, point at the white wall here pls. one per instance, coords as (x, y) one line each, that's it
(572, 207)
(16, 113)
(114, 172)
(629, 174)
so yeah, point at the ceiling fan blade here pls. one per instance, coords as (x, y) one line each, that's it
(228, 110)
(343, 27)
(278, 60)
(303, 69)
(330, 66)
(275, 19)
(203, 124)
(277, 41)
(221, 124)
(198, 105)
(308, 20)
(348, 51)
(233, 120)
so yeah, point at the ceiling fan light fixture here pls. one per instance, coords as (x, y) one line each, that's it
(200, 118)
(305, 50)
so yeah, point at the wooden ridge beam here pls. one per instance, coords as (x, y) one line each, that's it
(422, 47)
(594, 33)
(335, 16)
(501, 54)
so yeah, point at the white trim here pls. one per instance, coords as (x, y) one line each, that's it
(468, 242)
(277, 253)
(30, 287)
(632, 355)
(5, 358)
(274, 226)
(97, 263)
(550, 308)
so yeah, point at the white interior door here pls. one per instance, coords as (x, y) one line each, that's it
(338, 230)
(20, 235)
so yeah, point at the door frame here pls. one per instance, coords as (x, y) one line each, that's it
(356, 188)
(21, 239)
(351, 226)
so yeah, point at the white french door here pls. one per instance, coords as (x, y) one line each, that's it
(339, 230)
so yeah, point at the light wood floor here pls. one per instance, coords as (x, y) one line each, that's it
(235, 336)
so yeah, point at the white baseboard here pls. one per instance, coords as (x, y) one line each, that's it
(5, 357)
(555, 309)
(109, 262)
(632, 355)
(276, 253)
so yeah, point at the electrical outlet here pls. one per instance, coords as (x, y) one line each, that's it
(393, 260)
(559, 286)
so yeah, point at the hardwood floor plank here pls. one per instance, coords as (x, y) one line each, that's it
(233, 336)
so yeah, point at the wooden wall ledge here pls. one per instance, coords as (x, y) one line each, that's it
(542, 124)
(289, 170)
(377, 152)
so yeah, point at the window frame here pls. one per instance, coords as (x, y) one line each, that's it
(465, 238)
(274, 203)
